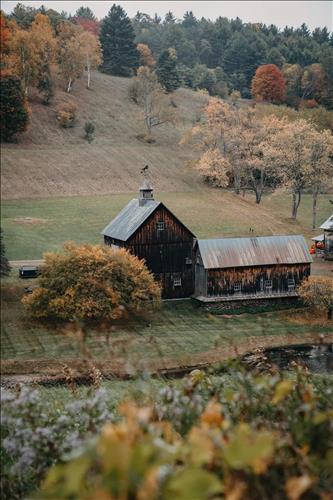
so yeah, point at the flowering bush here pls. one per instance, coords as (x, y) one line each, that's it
(33, 437)
(229, 434)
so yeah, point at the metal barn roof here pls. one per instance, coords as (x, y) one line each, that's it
(328, 224)
(129, 219)
(261, 251)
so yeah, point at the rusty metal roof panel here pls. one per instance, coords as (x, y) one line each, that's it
(328, 224)
(260, 251)
(130, 219)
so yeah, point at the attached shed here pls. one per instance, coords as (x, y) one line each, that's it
(149, 230)
(244, 268)
(328, 238)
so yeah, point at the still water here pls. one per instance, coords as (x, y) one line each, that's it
(317, 358)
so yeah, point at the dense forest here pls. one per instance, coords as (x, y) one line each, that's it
(220, 56)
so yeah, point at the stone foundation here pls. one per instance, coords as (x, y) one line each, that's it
(253, 305)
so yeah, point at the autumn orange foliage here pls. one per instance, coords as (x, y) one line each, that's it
(268, 84)
(92, 282)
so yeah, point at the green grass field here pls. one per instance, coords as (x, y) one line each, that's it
(177, 331)
(34, 226)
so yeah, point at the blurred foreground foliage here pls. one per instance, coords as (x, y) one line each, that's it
(258, 436)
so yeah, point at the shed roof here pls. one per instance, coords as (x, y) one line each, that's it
(328, 224)
(261, 251)
(130, 219)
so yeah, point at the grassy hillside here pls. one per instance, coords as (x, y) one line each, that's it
(56, 186)
(51, 161)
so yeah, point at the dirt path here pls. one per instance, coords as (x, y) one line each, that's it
(19, 263)
(50, 371)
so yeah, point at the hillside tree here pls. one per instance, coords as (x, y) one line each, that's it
(120, 55)
(145, 56)
(85, 13)
(23, 60)
(14, 112)
(71, 58)
(290, 152)
(151, 97)
(44, 43)
(166, 70)
(5, 267)
(320, 167)
(235, 143)
(92, 283)
(91, 48)
(268, 83)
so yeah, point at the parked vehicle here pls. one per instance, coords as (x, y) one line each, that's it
(28, 272)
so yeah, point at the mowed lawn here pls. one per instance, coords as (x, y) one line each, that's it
(176, 331)
(34, 226)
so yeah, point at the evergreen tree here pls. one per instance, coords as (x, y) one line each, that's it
(5, 267)
(167, 71)
(274, 56)
(14, 114)
(85, 13)
(120, 56)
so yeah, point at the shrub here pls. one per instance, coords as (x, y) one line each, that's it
(89, 129)
(67, 115)
(262, 437)
(34, 436)
(90, 282)
(318, 291)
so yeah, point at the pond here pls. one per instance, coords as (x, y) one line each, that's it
(318, 358)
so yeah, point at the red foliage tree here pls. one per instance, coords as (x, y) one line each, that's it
(4, 34)
(268, 83)
(88, 25)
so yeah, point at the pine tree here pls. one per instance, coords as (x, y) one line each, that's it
(117, 39)
(5, 267)
(166, 70)
(14, 115)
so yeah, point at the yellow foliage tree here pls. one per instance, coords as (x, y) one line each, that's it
(303, 157)
(318, 291)
(92, 52)
(71, 57)
(23, 58)
(145, 55)
(92, 282)
(235, 144)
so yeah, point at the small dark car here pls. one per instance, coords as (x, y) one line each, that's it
(28, 272)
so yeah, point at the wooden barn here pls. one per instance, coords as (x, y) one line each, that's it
(327, 226)
(247, 268)
(149, 230)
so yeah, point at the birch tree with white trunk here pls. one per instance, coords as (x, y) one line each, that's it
(92, 52)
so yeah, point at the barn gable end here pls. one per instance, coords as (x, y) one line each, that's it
(149, 230)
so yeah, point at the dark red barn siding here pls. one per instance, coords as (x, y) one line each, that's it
(167, 253)
(220, 282)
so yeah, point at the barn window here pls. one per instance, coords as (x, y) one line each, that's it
(188, 260)
(160, 225)
(237, 286)
(268, 285)
(291, 284)
(177, 282)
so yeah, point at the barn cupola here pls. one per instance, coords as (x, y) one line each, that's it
(146, 193)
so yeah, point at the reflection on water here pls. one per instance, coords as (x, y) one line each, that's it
(317, 358)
